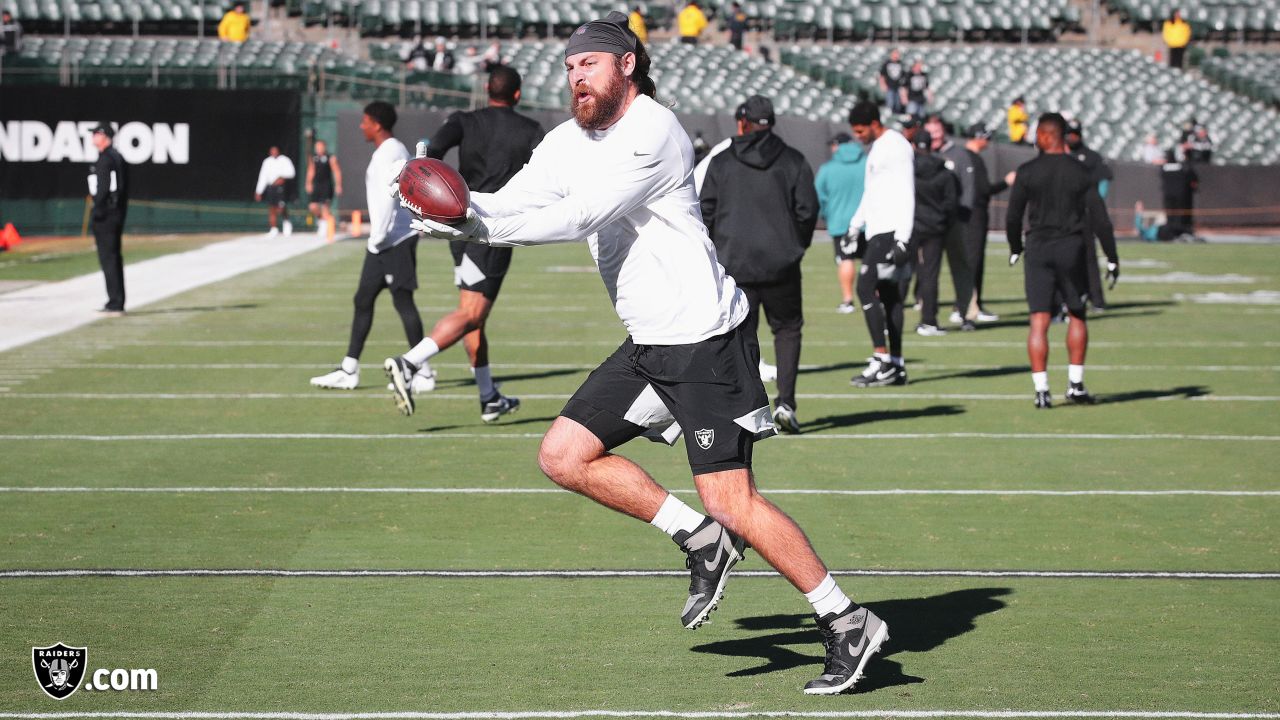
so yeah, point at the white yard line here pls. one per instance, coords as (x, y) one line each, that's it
(673, 714)
(570, 574)
(929, 342)
(585, 367)
(382, 397)
(538, 436)
(233, 489)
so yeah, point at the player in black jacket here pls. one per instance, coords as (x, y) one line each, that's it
(109, 186)
(937, 208)
(760, 207)
(1102, 176)
(493, 143)
(1065, 212)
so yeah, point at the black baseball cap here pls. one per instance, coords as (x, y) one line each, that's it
(978, 131)
(841, 138)
(1074, 128)
(757, 109)
(923, 141)
(106, 129)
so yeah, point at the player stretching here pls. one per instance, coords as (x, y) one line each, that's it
(493, 144)
(1062, 197)
(619, 177)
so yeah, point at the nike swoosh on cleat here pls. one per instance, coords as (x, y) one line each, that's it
(714, 563)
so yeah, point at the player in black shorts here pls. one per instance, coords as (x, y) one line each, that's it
(1065, 212)
(324, 182)
(493, 144)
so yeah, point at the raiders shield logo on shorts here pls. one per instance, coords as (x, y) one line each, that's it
(59, 669)
(705, 438)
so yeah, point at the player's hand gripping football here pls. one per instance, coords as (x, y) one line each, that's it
(472, 229)
(1113, 274)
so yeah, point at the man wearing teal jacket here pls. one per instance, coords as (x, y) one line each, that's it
(839, 184)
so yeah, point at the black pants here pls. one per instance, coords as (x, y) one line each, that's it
(882, 297)
(395, 269)
(1180, 209)
(931, 247)
(1175, 57)
(785, 313)
(106, 235)
(975, 241)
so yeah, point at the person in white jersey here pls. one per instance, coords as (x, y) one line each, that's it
(619, 176)
(391, 256)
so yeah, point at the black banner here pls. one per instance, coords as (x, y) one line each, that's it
(181, 144)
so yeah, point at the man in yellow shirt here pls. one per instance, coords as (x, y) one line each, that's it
(635, 21)
(1177, 35)
(691, 22)
(235, 25)
(1018, 120)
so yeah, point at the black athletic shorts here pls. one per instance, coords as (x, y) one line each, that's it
(395, 268)
(712, 388)
(1057, 265)
(322, 193)
(274, 196)
(479, 268)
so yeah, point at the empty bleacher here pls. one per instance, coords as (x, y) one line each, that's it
(1257, 20)
(1255, 75)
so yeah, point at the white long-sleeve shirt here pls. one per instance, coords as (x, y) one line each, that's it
(627, 191)
(274, 168)
(889, 198)
(388, 221)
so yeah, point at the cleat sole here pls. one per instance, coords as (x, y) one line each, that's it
(737, 557)
(400, 389)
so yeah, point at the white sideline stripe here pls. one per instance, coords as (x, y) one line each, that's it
(466, 574)
(538, 436)
(681, 715)
(582, 367)
(339, 395)
(557, 491)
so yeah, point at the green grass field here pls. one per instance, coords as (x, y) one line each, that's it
(169, 440)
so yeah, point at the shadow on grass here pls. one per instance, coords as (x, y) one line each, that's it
(915, 625)
(998, 371)
(832, 422)
(1184, 392)
(507, 421)
(459, 382)
(196, 309)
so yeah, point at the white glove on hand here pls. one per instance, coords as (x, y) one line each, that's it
(421, 150)
(1013, 258)
(472, 229)
(394, 187)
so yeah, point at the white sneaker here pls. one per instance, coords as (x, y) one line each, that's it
(955, 318)
(984, 316)
(768, 373)
(273, 232)
(288, 228)
(339, 379)
(322, 229)
(930, 330)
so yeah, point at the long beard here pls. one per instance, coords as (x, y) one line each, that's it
(603, 106)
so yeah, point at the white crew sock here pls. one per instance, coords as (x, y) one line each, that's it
(828, 598)
(1041, 381)
(484, 382)
(350, 365)
(898, 360)
(675, 516)
(422, 352)
(883, 357)
(1075, 373)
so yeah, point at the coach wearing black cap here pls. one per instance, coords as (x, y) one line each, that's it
(760, 207)
(109, 187)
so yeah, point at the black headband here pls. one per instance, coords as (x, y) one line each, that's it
(609, 35)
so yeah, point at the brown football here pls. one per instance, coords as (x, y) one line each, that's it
(433, 190)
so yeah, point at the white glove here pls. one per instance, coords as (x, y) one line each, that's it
(472, 229)
(394, 187)
(421, 150)
(1013, 258)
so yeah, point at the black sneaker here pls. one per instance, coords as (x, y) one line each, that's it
(400, 374)
(968, 326)
(712, 551)
(784, 418)
(850, 639)
(1078, 394)
(901, 377)
(497, 406)
(878, 374)
(1043, 401)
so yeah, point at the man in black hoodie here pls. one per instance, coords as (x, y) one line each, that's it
(937, 205)
(760, 208)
